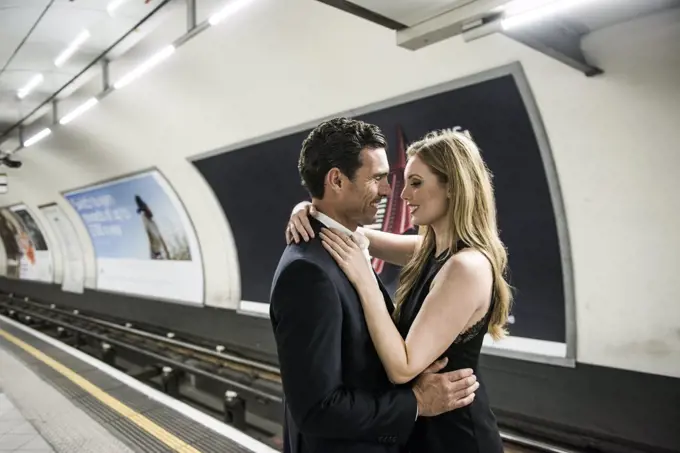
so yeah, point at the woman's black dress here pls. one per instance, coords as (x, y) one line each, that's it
(471, 429)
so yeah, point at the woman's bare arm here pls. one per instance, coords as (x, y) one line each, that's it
(459, 290)
(390, 247)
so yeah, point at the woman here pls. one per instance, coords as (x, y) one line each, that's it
(452, 289)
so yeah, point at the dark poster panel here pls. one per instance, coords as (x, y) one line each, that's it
(257, 186)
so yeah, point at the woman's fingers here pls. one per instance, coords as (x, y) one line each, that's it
(334, 244)
(328, 246)
(339, 238)
(298, 228)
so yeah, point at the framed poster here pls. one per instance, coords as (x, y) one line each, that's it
(28, 255)
(496, 108)
(143, 240)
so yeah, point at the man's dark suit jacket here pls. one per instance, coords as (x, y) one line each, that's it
(338, 397)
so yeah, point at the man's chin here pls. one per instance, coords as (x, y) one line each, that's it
(368, 221)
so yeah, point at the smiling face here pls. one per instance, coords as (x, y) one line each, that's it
(424, 192)
(361, 196)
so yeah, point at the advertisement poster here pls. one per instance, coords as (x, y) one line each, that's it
(72, 253)
(492, 110)
(28, 256)
(143, 240)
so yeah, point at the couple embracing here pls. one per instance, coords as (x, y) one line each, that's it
(364, 373)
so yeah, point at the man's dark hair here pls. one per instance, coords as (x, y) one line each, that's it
(335, 143)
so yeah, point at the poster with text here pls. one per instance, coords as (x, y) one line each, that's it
(143, 240)
(72, 253)
(492, 110)
(28, 256)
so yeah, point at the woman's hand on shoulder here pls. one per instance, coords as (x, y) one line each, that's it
(298, 225)
(349, 256)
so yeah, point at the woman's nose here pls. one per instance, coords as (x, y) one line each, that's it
(404, 194)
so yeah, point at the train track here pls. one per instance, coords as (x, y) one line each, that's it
(166, 355)
(240, 373)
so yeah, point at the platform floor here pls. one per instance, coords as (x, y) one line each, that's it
(16, 433)
(57, 399)
(40, 419)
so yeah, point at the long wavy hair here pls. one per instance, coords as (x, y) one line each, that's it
(456, 161)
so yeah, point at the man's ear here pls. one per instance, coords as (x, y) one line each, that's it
(334, 179)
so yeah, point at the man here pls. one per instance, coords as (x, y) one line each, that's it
(338, 397)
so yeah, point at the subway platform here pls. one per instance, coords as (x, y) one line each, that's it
(16, 433)
(54, 398)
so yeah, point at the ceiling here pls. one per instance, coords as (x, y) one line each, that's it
(593, 14)
(421, 23)
(409, 12)
(33, 33)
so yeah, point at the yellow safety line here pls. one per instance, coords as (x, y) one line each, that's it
(147, 425)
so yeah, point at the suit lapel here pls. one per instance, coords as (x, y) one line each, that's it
(388, 300)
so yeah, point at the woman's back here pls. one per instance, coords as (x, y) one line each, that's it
(469, 429)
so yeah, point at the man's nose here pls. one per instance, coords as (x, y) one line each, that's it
(385, 189)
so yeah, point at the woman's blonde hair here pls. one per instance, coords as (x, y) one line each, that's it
(456, 161)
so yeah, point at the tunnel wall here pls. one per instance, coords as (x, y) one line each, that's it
(613, 140)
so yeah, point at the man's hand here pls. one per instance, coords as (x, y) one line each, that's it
(439, 393)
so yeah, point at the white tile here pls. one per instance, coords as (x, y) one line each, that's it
(37, 443)
(6, 427)
(23, 428)
(5, 404)
(11, 442)
(21, 450)
(11, 414)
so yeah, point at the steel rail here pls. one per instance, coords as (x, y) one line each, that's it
(150, 354)
(160, 338)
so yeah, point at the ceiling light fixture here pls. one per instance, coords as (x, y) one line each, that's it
(114, 5)
(34, 82)
(524, 17)
(71, 49)
(75, 113)
(144, 67)
(37, 137)
(232, 7)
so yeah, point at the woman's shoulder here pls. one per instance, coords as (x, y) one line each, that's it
(468, 264)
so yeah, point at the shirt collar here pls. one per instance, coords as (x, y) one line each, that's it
(332, 223)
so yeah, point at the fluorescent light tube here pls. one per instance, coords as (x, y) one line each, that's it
(231, 8)
(71, 49)
(37, 137)
(114, 5)
(144, 67)
(75, 113)
(34, 82)
(541, 12)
